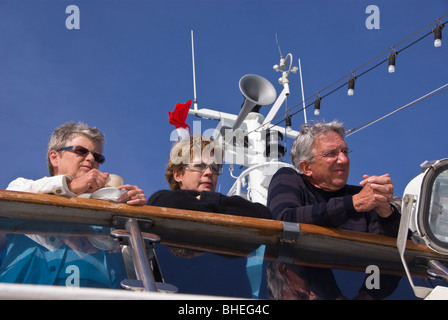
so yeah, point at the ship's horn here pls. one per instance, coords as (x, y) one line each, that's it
(257, 92)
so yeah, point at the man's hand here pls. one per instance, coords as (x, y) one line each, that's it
(378, 191)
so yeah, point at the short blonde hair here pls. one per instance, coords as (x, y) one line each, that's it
(183, 152)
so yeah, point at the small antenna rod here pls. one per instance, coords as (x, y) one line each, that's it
(303, 94)
(195, 103)
(278, 45)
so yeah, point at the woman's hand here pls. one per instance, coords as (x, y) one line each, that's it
(134, 195)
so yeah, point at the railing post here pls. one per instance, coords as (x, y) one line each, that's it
(142, 265)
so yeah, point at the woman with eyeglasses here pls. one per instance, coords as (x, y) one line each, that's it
(192, 174)
(74, 158)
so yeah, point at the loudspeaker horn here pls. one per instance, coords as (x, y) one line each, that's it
(257, 92)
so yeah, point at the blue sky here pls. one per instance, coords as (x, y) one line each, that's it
(130, 63)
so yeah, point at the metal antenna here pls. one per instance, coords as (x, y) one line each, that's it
(303, 93)
(278, 45)
(195, 103)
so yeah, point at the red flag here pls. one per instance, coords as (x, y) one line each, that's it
(179, 115)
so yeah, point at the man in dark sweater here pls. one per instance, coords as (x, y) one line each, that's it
(293, 198)
(317, 192)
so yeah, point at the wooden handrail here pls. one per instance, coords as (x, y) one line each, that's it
(217, 232)
(98, 212)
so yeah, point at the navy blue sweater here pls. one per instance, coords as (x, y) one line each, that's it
(292, 198)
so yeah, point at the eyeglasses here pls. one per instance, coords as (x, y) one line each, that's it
(333, 154)
(201, 167)
(84, 152)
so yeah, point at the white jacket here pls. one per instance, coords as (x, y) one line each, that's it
(53, 185)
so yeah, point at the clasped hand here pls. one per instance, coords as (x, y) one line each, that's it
(376, 194)
(95, 179)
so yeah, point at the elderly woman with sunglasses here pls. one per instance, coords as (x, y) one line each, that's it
(73, 159)
(192, 174)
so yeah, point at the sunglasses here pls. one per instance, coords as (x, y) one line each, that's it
(84, 152)
(201, 167)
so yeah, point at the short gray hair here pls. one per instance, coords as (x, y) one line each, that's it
(66, 132)
(303, 146)
(276, 282)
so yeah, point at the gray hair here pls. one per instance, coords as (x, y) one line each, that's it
(303, 146)
(66, 132)
(276, 282)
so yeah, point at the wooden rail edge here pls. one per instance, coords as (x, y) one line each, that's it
(177, 226)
